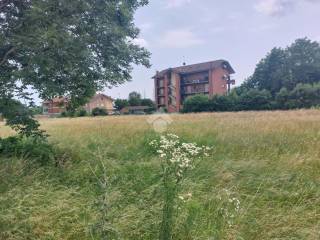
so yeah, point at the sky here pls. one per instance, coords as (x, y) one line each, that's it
(194, 31)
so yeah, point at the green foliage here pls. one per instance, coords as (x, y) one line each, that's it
(20, 118)
(99, 112)
(135, 99)
(285, 79)
(285, 68)
(302, 96)
(255, 100)
(197, 103)
(149, 103)
(36, 110)
(121, 103)
(82, 113)
(30, 148)
(222, 103)
(176, 158)
(66, 48)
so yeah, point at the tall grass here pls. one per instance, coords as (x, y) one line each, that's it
(268, 160)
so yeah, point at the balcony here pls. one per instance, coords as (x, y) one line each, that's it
(196, 81)
(194, 92)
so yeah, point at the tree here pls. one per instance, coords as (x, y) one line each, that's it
(148, 103)
(121, 103)
(303, 62)
(66, 48)
(285, 68)
(134, 99)
(270, 72)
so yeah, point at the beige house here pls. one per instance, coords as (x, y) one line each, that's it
(100, 101)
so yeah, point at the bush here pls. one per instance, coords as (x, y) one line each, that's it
(197, 103)
(221, 103)
(31, 148)
(99, 112)
(82, 113)
(255, 100)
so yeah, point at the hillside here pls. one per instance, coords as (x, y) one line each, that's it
(270, 161)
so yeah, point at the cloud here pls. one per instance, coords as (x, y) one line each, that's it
(180, 38)
(141, 42)
(176, 3)
(274, 7)
(278, 7)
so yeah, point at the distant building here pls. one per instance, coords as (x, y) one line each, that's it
(174, 85)
(100, 101)
(55, 106)
(58, 105)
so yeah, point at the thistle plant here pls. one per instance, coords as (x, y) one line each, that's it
(177, 158)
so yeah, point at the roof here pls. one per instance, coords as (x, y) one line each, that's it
(98, 95)
(199, 67)
(57, 100)
(65, 100)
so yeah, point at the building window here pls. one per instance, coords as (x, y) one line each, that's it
(161, 92)
(161, 83)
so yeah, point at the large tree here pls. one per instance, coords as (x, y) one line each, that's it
(66, 48)
(285, 68)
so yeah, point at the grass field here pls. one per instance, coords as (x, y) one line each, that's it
(268, 160)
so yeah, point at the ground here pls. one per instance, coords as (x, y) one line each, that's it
(269, 160)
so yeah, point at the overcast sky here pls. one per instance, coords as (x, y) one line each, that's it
(240, 31)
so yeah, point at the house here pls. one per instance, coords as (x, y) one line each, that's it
(174, 85)
(58, 105)
(100, 101)
(135, 110)
(55, 106)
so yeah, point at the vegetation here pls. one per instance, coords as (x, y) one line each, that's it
(285, 79)
(286, 68)
(64, 48)
(134, 99)
(99, 112)
(302, 96)
(176, 159)
(110, 186)
(121, 103)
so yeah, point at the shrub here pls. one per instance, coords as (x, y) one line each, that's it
(99, 112)
(32, 148)
(82, 113)
(255, 100)
(197, 103)
(221, 103)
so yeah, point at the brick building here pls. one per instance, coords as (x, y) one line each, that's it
(100, 101)
(174, 85)
(56, 106)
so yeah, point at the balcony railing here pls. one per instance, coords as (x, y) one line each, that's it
(197, 81)
(194, 92)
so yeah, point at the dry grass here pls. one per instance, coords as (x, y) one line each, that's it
(270, 160)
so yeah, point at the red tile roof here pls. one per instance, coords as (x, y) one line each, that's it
(198, 68)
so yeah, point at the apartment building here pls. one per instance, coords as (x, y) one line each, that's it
(174, 85)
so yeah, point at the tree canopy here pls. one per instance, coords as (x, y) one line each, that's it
(285, 68)
(285, 79)
(66, 48)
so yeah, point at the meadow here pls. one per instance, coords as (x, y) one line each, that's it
(270, 161)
